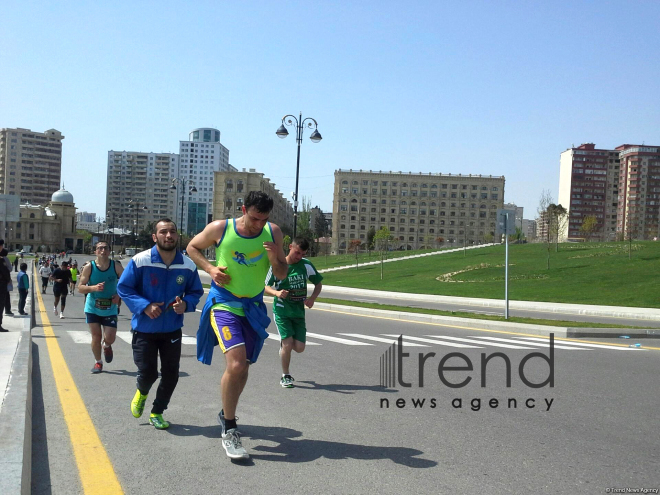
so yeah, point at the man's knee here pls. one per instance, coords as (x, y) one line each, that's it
(287, 344)
(298, 346)
(109, 336)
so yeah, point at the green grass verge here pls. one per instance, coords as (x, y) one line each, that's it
(474, 316)
(331, 261)
(587, 273)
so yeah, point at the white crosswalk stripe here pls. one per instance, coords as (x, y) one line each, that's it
(338, 340)
(580, 344)
(546, 344)
(381, 339)
(472, 341)
(276, 336)
(440, 342)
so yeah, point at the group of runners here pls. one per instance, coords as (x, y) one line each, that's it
(160, 284)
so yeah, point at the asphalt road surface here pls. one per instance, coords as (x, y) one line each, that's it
(595, 429)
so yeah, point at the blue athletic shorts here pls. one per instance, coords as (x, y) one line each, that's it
(232, 331)
(106, 321)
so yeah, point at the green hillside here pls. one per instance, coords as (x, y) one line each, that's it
(588, 273)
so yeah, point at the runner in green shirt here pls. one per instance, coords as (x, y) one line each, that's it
(289, 301)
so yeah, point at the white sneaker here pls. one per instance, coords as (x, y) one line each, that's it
(231, 441)
(61, 315)
(55, 310)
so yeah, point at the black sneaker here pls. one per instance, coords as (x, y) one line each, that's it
(9, 314)
(5, 330)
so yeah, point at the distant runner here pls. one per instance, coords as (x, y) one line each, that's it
(61, 278)
(290, 299)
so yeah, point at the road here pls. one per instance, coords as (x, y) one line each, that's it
(596, 428)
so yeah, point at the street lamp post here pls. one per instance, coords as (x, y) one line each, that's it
(136, 205)
(315, 137)
(183, 183)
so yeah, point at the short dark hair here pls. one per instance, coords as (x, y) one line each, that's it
(301, 242)
(4, 252)
(96, 246)
(23, 266)
(162, 220)
(260, 200)
(64, 262)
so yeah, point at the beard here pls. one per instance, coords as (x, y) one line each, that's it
(165, 247)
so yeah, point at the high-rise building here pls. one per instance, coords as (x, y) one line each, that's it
(418, 209)
(529, 229)
(199, 158)
(83, 216)
(518, 217)
(232, 187)
(588, 185)
(639, 191)
(138, 188)
(30, 164)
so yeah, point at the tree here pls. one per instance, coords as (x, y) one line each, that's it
(589, 226)
(543, 221)
(354, 247)
(371, 233)
(304, 229)
(382, 240)
(320, 226)
(518, 236)
(145, 236)
(286, 242)
(439, 240)
(489, 237)
(557, 217)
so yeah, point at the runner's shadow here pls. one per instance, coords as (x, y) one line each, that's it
(212, 431)
(291, 449)
(182, 374)
(341, 388)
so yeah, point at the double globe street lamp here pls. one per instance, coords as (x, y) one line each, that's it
(183, 183)
(299, 125)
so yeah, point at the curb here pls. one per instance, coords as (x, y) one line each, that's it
(510, 327)
(16, 421)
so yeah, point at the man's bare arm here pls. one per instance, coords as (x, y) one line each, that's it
(204, 240)
(83, 288)
(276, 255)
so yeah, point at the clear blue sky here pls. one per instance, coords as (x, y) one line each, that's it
(486, 87)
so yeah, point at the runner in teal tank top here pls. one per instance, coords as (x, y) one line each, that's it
(98, 281)
(245, 249)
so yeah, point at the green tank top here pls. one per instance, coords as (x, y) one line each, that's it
(246, 261)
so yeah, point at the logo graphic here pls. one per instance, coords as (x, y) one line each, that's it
(179, 279)
(174, 340)
(247, 259)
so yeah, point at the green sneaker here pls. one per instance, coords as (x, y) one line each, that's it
(158, 421)
(137, 404)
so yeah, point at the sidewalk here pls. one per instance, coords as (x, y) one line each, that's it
(16, 398)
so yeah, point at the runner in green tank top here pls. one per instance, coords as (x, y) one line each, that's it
(245, 248)
(290, 299)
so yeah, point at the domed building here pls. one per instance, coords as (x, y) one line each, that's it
(50, 228)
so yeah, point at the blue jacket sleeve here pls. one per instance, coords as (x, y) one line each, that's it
(127, 289)
(194, 292)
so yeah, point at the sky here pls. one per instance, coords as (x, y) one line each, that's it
(469, 87)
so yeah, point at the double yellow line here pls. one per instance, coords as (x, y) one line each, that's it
(96, 472)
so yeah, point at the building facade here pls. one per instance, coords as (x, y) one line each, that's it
(30, 164)
(199, 159)
(83, 216)
(589, 185)
(639, 191)
(529, 229)
(136, 180)
(47, 228)
(420, 210)
(231, 188)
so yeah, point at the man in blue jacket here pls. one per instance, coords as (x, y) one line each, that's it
(158, 286)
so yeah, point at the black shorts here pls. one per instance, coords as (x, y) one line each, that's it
(106, 321)
(60, 290)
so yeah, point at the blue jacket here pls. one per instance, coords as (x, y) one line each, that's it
(147, 280)
(256, 314)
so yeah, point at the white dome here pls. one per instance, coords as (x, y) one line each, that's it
(62, 196)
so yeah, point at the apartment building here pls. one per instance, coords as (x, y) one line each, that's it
(84, 216)
(30, 164)
(418, 209)
(639, 191)
(138, 188)
(589, 185)
(232, 187)
(199, 159)
(529, 229)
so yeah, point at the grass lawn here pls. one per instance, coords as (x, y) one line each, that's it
(331, 261)
(585, 273)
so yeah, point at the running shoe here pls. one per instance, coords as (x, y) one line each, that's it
(158, 422)
(221, 420)
(98, 367)
(231, 441)
(61, 315)
(55, 310)
(108, 354)
(137, 404)
(287, 381)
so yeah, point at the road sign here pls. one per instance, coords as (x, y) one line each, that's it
(505, 226)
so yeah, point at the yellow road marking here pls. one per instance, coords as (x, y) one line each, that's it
(96, 472)
(477, 329)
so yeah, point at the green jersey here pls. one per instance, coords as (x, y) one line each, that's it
(296, 283)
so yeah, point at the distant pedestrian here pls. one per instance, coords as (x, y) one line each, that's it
(23, 283)
(16, 264)
(158, 286)
(61, 278)
(5, 278)
(74, 278)
(6, 302)
(44, 272)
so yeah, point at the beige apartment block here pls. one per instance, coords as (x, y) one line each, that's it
(639, 192)
(231, 188)
(135, 180)
(420, 210)
(588, 186)
(30, 164)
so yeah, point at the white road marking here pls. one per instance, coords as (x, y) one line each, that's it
(546, 345)
(472, 341)
(335, 339)
(429, 341)
(276, 336)
(381, 339)
(579, 344)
